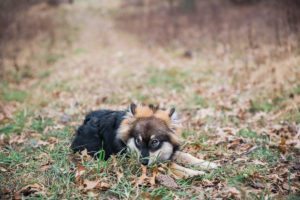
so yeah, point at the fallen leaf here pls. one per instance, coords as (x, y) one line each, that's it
(104, 186)
(2, 169)
(167, 181)
(42, 143)
(80, 170)
(257, 185)
(143, 177)
(235, 143)
(85, 156)
(29, 190)
(2, 117)
(17, 139)
(232, 192)
(46, 166)
(8, 111)
(53, 140)
(89, 185)
(282, 146)
(153, 177)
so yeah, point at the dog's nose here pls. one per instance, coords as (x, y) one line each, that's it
(144, 161)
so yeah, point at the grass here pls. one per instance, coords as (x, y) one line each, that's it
(173, 78)
(39, 124)
(17, 125)
(265, 154)
(53, 58)
(296, 90)
(199, 101)
(10, 94)
(247, 133)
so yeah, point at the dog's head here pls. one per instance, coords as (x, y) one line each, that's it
(150, 132)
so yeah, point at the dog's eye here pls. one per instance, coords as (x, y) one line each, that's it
(138, 141)
(154, 143)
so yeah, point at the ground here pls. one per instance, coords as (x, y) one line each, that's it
(246, 120)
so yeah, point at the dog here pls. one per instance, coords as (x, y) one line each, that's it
(150, 132)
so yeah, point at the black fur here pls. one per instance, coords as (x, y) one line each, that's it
(99, 131)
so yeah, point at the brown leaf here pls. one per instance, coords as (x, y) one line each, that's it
(80, 170)
(17, 139)
(257, 185)
(46, 166)
(193, 148)
(235, 143)
(153, 177)
(167, 181)
(8, 111)
(2, 117)
(2, 169)
(30, 190)
(42, 143)
(282, 146)
(85, 156)
(89, 185)
(232, 192)
(96, 184)
(143, 177)
(104, 186)
(145, 195)
(53, 140)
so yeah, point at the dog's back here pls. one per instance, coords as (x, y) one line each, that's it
(98, 131)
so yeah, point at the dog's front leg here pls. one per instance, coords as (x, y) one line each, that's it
(183, 172)
(186, 158)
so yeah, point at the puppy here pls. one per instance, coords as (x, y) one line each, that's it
(150, 132)
(146, 130)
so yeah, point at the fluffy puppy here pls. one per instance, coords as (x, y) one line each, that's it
(146, 130)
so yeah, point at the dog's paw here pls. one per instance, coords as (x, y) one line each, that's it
(207, 165)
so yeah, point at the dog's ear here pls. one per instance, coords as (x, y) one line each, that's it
(132, 109)
(173, 116)
(171, 112)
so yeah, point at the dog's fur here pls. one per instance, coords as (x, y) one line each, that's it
(146, 130)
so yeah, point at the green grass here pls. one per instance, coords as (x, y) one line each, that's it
(9, 94)
(187, 133)
(171, 78)
(53, 58)
(264, 106)
(17, 124)
(292, 116)
(247, 133)
(39, 124)
(296, 90)
(261, 105)
(57, 86)
(198, 100)
(265, 154)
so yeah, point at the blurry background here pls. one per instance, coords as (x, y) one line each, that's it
(250, 45)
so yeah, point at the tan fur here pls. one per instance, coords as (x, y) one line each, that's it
(187, 158)
(163, 115)
(145, 112)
